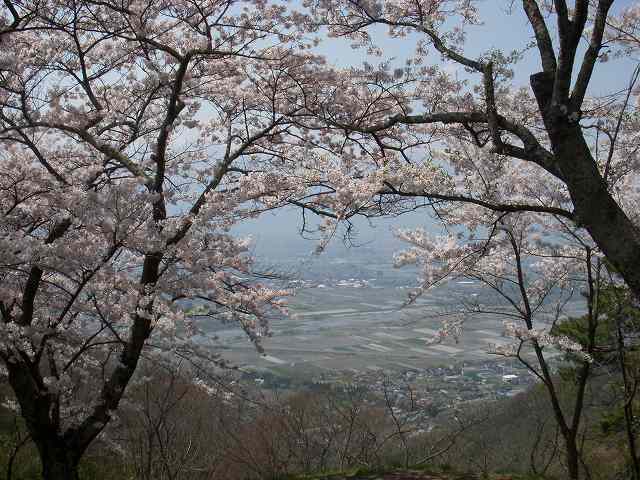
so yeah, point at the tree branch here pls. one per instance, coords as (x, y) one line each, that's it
(591, 55)
(543, 39)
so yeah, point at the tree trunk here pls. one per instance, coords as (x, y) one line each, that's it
(58, 463)
(573, 457)
(596, 210)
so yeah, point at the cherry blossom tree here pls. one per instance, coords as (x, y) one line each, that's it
(134, 135)
(542, 179)
(410, 124)
(533, 268)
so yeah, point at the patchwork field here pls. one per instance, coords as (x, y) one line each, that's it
(368, 328)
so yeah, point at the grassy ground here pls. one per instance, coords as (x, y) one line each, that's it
(409, 474)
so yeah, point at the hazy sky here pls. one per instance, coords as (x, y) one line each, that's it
(276, 234)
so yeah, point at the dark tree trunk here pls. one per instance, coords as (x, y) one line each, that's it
(60, 453)
(596, 210)
(573, 458)
(59, 456)
(58, 462)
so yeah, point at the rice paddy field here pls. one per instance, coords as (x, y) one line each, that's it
(358, 325)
